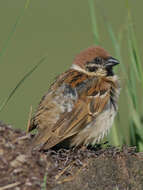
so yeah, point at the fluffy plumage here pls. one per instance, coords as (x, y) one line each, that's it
(81, 104)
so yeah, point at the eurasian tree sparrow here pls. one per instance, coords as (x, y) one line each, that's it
(81, 104)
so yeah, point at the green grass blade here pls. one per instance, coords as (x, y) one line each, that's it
(93, 21)
(137, 120)
(140, 146)
(133, 56)
(131, 87)
(44, 185)
(13, 30)
(134, 52)
(20, 83)
(135, 130)
(114, 136)
(113, 39)
(132, 132)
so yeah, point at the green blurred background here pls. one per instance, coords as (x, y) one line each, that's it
(60, 30)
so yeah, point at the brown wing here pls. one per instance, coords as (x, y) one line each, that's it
(69, 124)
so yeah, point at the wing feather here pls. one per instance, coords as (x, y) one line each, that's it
(68, 125)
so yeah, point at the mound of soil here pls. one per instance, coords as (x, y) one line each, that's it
(62, 169)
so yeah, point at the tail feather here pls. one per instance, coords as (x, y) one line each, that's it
(45, 141)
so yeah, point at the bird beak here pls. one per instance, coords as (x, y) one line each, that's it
(112, 62)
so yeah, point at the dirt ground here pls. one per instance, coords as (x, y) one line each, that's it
(26, 169)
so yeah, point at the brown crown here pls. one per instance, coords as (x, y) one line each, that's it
(90, 54)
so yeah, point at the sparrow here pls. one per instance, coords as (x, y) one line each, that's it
(81, 104)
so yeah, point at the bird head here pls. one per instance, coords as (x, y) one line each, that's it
(95, 61)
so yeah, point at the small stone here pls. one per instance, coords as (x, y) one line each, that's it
(18, 161)
(1, 152)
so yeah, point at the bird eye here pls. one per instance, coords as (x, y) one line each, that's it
(98, 60)
(91, 69)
